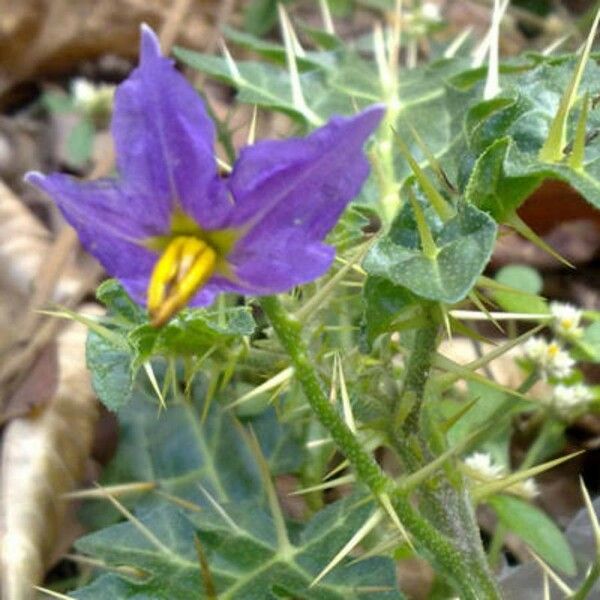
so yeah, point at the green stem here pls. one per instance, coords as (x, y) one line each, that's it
(588, 583)
(444, 499)
(472, 582)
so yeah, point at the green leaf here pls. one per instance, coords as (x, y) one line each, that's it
(192, 332)
(529, 284)
(505, 136)
(175, 449)
(80, 142)
(465, 243)
(246, 554)
(267, 86)
(260, 16)
(276, 52)
(589, 344)
(383, 302)
(536, 529)
(112, 377)
(279, 442)
(116, 300)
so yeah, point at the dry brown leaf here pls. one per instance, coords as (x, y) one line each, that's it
(24, 244)
(43, 456)
(52, 37)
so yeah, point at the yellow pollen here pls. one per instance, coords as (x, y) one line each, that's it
(186, 264)
(553, 350)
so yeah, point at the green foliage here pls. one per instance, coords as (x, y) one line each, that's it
(527, 284)
(535, 528)
(213, 502)
(210, 464)
(115, 360)
(464, 245)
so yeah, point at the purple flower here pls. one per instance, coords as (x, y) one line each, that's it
(174, 232)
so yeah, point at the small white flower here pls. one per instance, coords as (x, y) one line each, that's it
(527, 488)
(568, 399)
(90, 97)
(549, 357)
(535, 349)
(566, 319)
(482, 468)
(83, 91)
(430, 11)
(482, 464)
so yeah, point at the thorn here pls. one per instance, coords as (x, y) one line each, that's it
(210, 589)
(552, 150)
(226, 167)
(412, 53)
(555, 44)
(306, 311)
(385, 76)
(132, 572)
(137, 523)
(432, 160)
(274, 382)
(430, 250)
(155, 387)
(362, 532)
(115, 490)
(283, 542)
(233, 69)
(446, 320)
(221, 511)
(51, 593)
(547, 570)
(290, 54)
(522, 228)
(481, 51)
(546, 586)
(252, 128)
(498, 485)
(385, 501)
(326, 16)
(592, 513)
(488, 315)
(327, 485)
(475, 315)
(459, 40)
(492, 82)
(395, 38)
(334, 378)
(438, 202)
(346, 406)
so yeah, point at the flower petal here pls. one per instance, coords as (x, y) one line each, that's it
(289, 194)
(278, 266)
(164, 139)
(301, 184)
(109, 225)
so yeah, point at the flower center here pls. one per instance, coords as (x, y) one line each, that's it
(185, 265)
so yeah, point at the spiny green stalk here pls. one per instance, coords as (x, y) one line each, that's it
(470, 579)
(417, 440)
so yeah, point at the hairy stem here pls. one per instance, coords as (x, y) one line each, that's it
(472, 582)
(445, 500)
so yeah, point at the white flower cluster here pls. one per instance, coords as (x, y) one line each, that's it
(549, 357)
(481, 466)
(566, 320)
(569, 400)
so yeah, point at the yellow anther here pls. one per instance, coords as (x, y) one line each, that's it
(186, 264)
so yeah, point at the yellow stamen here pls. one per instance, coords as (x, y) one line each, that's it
(184, 267)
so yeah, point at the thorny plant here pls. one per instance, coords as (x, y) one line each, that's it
(278, 334)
